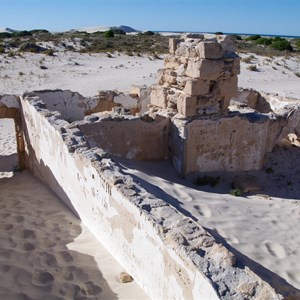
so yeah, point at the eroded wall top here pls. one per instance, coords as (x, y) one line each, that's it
(199, 75)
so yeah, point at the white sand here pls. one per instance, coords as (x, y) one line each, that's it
(8, 148)
(262, 227)
(45, 251)
(90, 73)
(275, 75)
(83, 73)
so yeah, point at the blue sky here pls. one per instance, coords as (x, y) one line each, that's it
(242, 16)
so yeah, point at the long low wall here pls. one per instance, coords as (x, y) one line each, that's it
(168, 255)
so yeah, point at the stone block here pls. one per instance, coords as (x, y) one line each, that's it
(3, 111)
(210, 50)
(169, 76)
(246, 183)
(159, 96)
(236, 66)
(173, 44)
(196, 87)
(171, 62)
(225, 88)
(205, 69)
(187, 105)
(227, 43)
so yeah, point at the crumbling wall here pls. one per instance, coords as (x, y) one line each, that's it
(74, 106)
(139, 138)
(199, 76)
(169, 255)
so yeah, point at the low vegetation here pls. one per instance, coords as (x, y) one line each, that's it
(207, 180)
(236, 192)
(116, 40)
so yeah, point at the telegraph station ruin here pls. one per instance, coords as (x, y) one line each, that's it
(195, 117)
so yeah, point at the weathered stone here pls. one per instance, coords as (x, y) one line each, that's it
(225, 88)
(247, 289)
(227, 43)
(159, 96)
(195, 87)
(173, 44)
(221, 255)
(246, 183)
(125, 277)
(186, 105)
(205, 69)
(210, 50)
(169, 76)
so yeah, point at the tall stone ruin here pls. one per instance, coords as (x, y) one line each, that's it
(199, 76)
(195, 87)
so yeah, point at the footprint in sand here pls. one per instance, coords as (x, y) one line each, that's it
(47, 259)
(275, 249)
(66, 256)
(92, 289)
(29, 247)
(4, 268)
(19, 219)
(294, 275)
(5, 253)
(42, 278)
(29, 234)
(203, 210)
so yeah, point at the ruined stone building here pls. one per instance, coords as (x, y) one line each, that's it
(68, 142)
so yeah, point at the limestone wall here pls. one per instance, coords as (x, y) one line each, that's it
(144, 138)
(74, 106)
(169, 255)
(227, 144)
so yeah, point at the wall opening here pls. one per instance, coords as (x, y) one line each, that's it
(9, 160)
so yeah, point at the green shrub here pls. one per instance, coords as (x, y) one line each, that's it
(237, 37)
(148, 33)
(236, 192)
(253, 37)
(22, 33)
(263, 41)
(297, 43)
(208, 180)
(281, 45)
(4, 35)
(108, 34)
(118, 31)
(2, 50)
(219, 33)
(269, 170)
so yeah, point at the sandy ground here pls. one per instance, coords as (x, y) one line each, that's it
(45, 251)
(84, 73)
(261, 229)
(277, 75)
(90, 73)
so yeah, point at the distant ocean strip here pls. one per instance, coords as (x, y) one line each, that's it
(231, 33)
